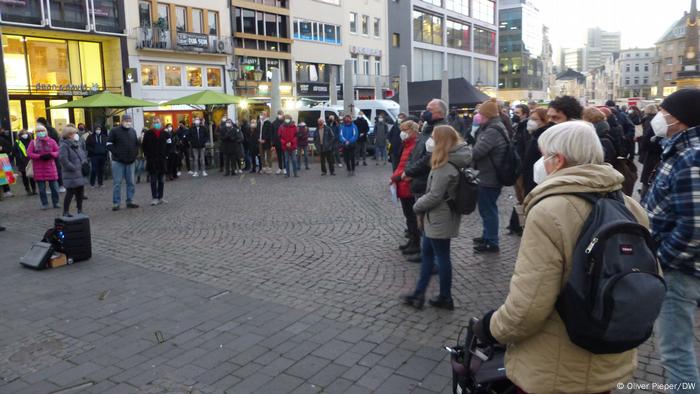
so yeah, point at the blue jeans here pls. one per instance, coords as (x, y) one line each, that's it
(139, 167)
(380, 153)
(675, 329)
(42, 193)
(290, 160)
(435, 251)
(303, 151)
(121, 171)
(488, 210)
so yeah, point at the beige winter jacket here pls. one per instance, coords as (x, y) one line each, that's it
(540, 357)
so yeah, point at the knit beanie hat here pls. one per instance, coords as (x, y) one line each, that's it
(684, 105)
(489, 109)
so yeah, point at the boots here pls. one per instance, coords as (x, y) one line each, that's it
(406, 245)
(415, 300)
(412, 248)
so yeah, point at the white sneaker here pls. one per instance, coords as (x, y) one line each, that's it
(278, 172)
(340, 165)
(154, 202)
(284, 171)
(161, 201)
(61, 189)
(190, 172)
(179, 173)
(204, 173)
(195, 174)
(8, 194)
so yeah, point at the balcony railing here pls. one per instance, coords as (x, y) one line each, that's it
(156, 38)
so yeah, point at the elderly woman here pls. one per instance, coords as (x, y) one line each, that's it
(43, 151)
(74, 164)
(409, 131)
(540, 357)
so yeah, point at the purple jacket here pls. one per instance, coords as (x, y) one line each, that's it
(44, 170)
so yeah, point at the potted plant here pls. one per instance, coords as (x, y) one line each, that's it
(162, 27)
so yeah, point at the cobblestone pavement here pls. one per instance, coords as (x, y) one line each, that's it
(309, 263)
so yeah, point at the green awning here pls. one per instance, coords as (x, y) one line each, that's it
(205, 97)
(106, 100)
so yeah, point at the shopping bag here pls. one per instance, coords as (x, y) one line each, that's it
(7, 176)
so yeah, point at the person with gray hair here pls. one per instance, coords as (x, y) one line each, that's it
(541, 357)
(74, 163)
(123, 144)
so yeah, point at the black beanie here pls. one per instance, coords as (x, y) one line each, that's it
(610, 103)
(684, 105)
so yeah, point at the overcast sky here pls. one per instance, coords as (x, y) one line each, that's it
(641, 22)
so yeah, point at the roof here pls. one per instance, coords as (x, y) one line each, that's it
(462, 93)
(676, 31)
(569, 75)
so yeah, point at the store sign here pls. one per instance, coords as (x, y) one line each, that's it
(317, 89)
(74, 89)
(192, 40)
(131, 75)
(365, 51)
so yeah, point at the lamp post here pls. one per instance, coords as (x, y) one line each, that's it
(232, 73)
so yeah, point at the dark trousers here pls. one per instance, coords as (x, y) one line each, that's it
(336, 153)
(230, 164)
(411, 220)
(186, 153)
(280, 155)
(221, 161)
(362, 154)
(97, 169)
(173, 164)
(349, 156)
(255, 160)
(327, 157)
(157, 185)
(436, 252)
(29, 184)
(79, 193)
(60, 173)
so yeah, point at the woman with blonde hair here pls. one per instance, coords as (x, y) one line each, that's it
(440, 223)
(598, 119)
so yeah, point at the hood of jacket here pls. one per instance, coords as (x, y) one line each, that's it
(587, 178)
(460, 155)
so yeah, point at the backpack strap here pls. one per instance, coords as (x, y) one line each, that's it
(594, 197)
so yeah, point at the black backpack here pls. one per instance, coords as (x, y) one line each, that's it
(467, 192)
(508, 170)
(614, 292)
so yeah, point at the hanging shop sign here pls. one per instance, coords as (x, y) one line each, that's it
(192, 40)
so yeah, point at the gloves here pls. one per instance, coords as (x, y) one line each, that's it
(482, 330)
(46, 157)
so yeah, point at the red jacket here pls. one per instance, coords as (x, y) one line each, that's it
(288, 133)
(403, 187)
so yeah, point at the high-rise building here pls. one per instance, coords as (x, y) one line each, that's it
(521, 56)
(460, 36)
(599, 44)
(571, 58)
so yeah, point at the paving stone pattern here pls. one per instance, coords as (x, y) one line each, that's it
(256, 284)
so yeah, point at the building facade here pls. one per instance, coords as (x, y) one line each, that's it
(460, 36)
(178, 48)
(670, 51)
(635, 73)
(56, 51)
(521, 52)
(571, 58)
(599, 44)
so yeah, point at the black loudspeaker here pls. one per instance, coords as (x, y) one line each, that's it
(73, 237)
(37, 256)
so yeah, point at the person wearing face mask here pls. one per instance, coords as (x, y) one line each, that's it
(184, 146)
(96, 146)
(75, 168)
(490, 148)
(536, 125)
(395, 142)
(198, 138)
(521, 115)
(265, 143)
(334, 124)
(540, 356)
(649, 148)
(381, 129)
(22, 160)
(361, 146)
(156, 143)
(231, 139)
(476, 123)
(277, 143)
(324, 141)
(457, 123)
(174, 160)
(348, 135)
(303, 145)
(251, 137)
(288, 139)
(123, 144)
(409, 133)
(43, 151)
(673, 206)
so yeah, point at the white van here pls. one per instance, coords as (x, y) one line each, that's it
(311, 115)
(373, 108)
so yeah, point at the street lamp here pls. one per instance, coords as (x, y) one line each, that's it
(257, 74)
(232, 73)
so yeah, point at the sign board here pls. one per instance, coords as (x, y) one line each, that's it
(317, 89)
(73, 89)
(131, 75)
(355, 50)
(192, 40)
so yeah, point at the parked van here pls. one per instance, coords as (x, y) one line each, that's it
(311, 115)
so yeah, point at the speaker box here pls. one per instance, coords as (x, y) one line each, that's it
(73, 235)
(37, 257)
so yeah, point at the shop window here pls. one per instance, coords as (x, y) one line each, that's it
(91, 63)
(16, 121)
(213, 23)
(173, 76)
(48, 61)
(197, 21)
(181, 19)
(35, 109)
(28, 12)
(194, 76)
(107, 16)
(71, 14)
(149, 75)
(15, 63)
(214, 77)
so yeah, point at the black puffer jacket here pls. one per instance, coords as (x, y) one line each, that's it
(418, 166)
(123, 144)
(155, 149)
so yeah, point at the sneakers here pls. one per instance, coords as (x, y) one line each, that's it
(9, 194)
(340, 165)
(406, 245)
(486, 248)
(115, 207)
(61, 189)
(131, 205)
(415, 301)
(162, 201)
(285, 171)
(189, 172)
(44, 207)
(442, 303)
(195, 174)
(2, 228)
(204, 173)
(278, 172)
(154, 202)
(179, 173)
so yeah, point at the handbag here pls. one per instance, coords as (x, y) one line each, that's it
(85, 169)
(29, 169)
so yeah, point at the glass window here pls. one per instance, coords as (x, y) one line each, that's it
(16, 121)
(164, 14)
(636, 67)
(485, 10)
(457, 35)
(70, 14)
(22, 11)
(353, 22)
(248, 17)
(197, 21)
(365, 65)
(173, 76)
(305, 30)
(485, 72)
(377, 27)
(149, 74)
(427, 65)
(395, 40)
(460, 6)
(354, 64)
(194, 76)
(48, 61)
(458, 66)
(35, 109)
(329, 34)
(282, 29)
(213, 23)
(214, 77)
(271, 25)
(427, 28)
(181, 19)
(377, 67)
(484, 41)
(91, 63)
(365, 24)
(627, 68)
(107, 16)
(15, 63)
(434, 2)
(646, 67)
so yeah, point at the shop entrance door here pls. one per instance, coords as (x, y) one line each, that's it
(24, 111)
(34, 109)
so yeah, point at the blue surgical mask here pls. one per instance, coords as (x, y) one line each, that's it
(157, 125)
(427, 116)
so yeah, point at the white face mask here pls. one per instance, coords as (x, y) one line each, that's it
(403, 136)
(196, 123)
(430, 145)
(539, 173)
(659, 125)
(532, 125)
(98, 132)
(76, 137)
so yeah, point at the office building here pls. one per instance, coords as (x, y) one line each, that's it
(599, 44)
(634, 73)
